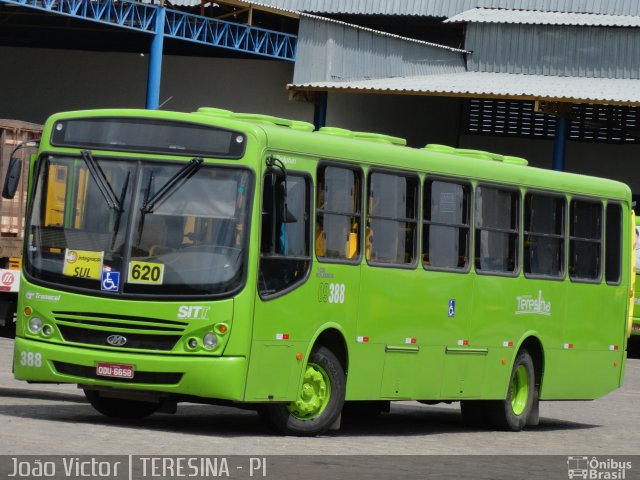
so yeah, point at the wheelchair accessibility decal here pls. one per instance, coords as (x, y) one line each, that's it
(110, 281)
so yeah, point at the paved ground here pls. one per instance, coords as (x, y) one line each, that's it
(55, 419)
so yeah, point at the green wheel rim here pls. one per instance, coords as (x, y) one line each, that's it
(519, 390)
(314, 394)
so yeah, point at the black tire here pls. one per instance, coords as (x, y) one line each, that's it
(281, 419)
(473, 413)
(510, 414)
(120, 408)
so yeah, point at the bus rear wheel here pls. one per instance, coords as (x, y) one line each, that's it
(319, 401)
(119, 407)
(513, 412)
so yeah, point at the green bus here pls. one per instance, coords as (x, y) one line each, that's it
(635, 307)
(247, 260)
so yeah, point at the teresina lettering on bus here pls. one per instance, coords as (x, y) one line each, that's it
(527, 304)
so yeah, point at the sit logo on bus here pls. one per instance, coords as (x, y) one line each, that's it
(193, 312)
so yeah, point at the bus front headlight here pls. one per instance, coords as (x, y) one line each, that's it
(209, 341)
(35, 325)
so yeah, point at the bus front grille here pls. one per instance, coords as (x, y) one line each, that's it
(142, 341)
(120, 321)
(150, 378)
(96, 328)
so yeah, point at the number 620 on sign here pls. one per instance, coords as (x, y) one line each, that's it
(146, 273)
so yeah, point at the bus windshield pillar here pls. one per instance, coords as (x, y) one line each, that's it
(560, 143)
(155, 61)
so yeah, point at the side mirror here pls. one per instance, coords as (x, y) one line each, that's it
(12, 179)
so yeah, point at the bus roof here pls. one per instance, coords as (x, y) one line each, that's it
(297, 137)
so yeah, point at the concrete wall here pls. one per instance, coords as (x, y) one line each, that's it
(44, 81)
(40, 82)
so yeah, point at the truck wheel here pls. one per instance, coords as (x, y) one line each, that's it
(513, 412)
(319, 401)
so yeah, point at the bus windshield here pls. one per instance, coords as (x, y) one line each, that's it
(92, 226)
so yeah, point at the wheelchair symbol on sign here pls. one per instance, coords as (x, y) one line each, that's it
(452, 308)
(110, 281)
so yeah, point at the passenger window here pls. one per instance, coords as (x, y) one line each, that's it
(585, 233)
(286, 232)
(392, 219)
(445, 236)
(496, 230)
(613, 243)
(544, 235)
(338, 213)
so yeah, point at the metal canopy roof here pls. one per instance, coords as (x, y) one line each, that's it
(530, 17)
(494, 85)
(444, 8)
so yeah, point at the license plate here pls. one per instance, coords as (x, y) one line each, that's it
(115, 370)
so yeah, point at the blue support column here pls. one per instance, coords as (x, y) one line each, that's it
(560, 143)
(320, 110)
(155, 61)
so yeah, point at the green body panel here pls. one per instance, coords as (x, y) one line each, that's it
(399, 338)
(635, 325)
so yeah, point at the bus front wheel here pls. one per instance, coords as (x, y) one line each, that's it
(120, 408)
(513, 412)
(319, 401)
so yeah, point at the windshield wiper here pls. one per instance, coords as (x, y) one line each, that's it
(168, 189)
(101, 180)
(171, 185)
(116, 224)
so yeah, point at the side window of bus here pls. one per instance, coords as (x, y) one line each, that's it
(286, 232)
(338, 213)
(445, 242)
(392, 219)
(585, 240)
(613, 243)
(496, 230)
(544, 235)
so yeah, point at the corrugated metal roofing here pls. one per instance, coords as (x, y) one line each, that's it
(495, 85)
(448, 8)
(530, 17)
(381, 33)
(331, 50)
(433, 8)
(429, 8)
(561, 50)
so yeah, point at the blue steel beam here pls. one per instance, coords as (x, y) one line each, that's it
(234, 36)
(179, 25)
(560, 143)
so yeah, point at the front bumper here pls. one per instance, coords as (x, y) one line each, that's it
(208, 377)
